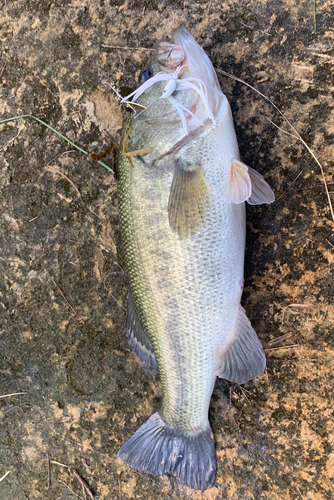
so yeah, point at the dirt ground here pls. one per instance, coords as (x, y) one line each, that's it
(85, 392)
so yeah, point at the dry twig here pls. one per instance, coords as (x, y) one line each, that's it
(280, 339)
(119, 486)
(243, 390)
(293, 305)
(83, 484)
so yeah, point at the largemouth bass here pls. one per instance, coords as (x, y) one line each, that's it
(183, 230)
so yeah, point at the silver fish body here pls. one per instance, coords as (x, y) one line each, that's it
(184, 313)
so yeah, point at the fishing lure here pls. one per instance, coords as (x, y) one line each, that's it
(174, 83)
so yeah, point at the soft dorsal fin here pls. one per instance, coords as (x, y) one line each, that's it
(242, 358)
(261, 191)
(189, 199)
(240, 187)
(137, 337)
(248, 185)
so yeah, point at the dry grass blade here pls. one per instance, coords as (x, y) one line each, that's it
(255, 29)
(67, 486)
(34, 218)
(61, 154)
(296, 133)
(3, 69)
(49, 471)
(280, 339)
(85, 464)
(79, 317)
(127, 153)
(313, 186)
(243, 390)
(293, 305)
(284, 360)
(105, 286)
(65, 177)
(125, 47)
(300, 493)
(266, 374)
(14, 394)
(287, 189)
(4, 476)
(282, 130)
(144, 151)
(281, 347)
(59, 463)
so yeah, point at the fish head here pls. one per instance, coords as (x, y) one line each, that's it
(195, 96)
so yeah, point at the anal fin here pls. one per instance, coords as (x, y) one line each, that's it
(137, 337)
(242, 358)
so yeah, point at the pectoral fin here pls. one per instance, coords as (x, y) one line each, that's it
(248, 185)
(261, 191)
(242, 358)
(189, 199)
(240, 187)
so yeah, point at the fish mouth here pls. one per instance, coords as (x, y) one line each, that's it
(170, 56)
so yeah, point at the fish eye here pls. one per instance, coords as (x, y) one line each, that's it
(146, 75)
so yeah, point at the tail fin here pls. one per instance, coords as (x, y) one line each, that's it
(157, 448)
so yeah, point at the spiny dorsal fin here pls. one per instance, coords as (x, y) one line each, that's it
(189, 199)
(240, 187)
(261, 191)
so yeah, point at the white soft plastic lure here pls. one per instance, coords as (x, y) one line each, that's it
(174, 83)
(183, 230)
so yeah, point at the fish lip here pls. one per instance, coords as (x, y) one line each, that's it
(169, 56)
